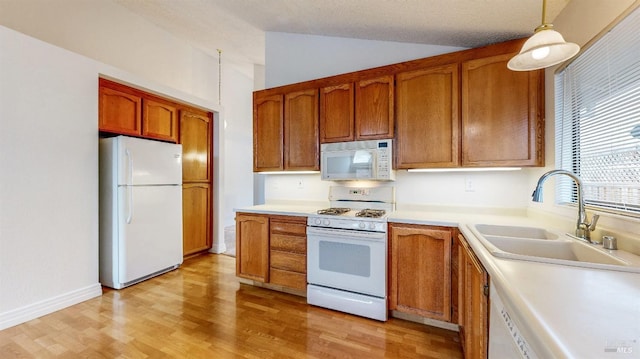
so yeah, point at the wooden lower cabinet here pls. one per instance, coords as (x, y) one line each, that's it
(420, 270)
(252, 246)
(288, 252)
(196, 211)
(272, 249)
(473, 303)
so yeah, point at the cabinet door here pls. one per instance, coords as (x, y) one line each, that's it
(427, 115)
(119, 112)
(502, 114)
(301, 147)
(196, 209)
(268, 126)
(474, 313)
(252, 247)
(374, 108)
(337, 113)
(159, 120)
(420, 271)
(288, 255)
(195, 137)
(477, 313)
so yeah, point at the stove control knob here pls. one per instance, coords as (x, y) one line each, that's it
(325, 222)
(362, 225)
(317, 221)
(372, 225)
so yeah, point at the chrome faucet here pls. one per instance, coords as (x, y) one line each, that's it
(583, 228)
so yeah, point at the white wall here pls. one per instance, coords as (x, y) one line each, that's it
(48, 98)
(48, 178)
(109, 33)
(154, 60)
(237, 185)
(291, 58)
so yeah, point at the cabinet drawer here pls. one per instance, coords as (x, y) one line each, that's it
(288, 279)
(289, 261)
(288, 243)
(288, 227)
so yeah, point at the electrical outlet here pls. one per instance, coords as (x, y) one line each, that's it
(468, 185)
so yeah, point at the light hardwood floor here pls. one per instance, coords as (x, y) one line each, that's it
(202, 311)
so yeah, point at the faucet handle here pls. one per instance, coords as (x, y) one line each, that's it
(594, 221)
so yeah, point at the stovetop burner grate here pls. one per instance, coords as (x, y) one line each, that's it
(334, 211)
(371, 213)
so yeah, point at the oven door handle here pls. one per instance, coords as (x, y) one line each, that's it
(332, 233)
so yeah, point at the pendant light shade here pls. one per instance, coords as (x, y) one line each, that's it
(545, 48)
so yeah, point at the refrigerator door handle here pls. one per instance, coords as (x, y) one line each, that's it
(130, 204)
(130, 183)
(130, 163)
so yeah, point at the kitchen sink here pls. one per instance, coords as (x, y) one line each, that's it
(541, 245)
(515, 231)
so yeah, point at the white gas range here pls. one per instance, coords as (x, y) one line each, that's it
(347, 251)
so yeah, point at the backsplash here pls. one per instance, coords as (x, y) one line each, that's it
(491, 189)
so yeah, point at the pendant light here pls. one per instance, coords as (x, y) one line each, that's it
(545, 48)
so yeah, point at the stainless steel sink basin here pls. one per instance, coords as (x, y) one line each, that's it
(541, 245)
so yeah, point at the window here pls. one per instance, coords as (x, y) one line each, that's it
(598, 121)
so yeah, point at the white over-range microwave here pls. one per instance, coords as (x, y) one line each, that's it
(357, 160)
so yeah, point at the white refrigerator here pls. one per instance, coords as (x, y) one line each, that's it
(140, 209)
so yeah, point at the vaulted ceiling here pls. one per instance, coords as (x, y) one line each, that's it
(237, 27)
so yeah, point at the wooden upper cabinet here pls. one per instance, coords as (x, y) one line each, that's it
(420, 270)
(160, 120)
(119, 111)
(502, 114)
(301, 147)
(195, 137)
(463, 109)
(427, 117)
(268, 124)
(337, 108)
(374, 108)
(124, 110)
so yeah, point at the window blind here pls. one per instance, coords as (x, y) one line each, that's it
(598, 121)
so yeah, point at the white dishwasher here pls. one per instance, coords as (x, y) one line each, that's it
(505, 339)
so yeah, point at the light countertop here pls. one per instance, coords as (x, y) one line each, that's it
(285, 209)
(562, 311)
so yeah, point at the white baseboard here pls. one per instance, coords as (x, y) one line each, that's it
(50, 305)
(218, 248)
